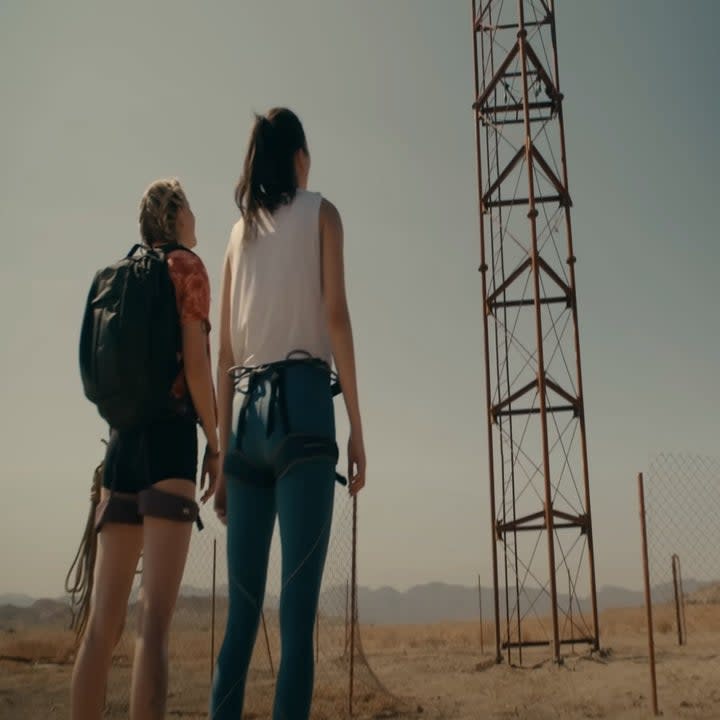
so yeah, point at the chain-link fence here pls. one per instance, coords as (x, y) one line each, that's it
(681, 496)
(682, 504)
(344, 682)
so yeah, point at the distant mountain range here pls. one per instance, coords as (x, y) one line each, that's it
(428, 603)
(434, 602)
(16, 599)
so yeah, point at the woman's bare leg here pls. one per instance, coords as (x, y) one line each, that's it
(165, 548)
(119, 548)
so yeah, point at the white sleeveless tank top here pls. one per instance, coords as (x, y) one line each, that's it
(276, 303)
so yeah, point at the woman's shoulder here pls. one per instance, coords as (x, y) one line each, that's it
(328, 212)
(237, 233)
(183, 262)
(309, 198)
(184, 257)
(309, 194)
(237, 230)
(192, 284)
(318, 202)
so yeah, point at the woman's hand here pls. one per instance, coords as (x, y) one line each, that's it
(221, 500)
(356, 464)
(211, 470)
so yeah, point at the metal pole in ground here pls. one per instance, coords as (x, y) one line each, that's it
(482, 640)
(353, 605)
(347, 614)
(682, 602)
(267, 643)
(570, 602)
(676, 594)
(212, 612)
(486, 282)
(648, 596)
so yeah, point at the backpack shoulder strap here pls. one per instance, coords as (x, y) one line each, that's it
(165, 250)
(161, 251)
(135, 248)
(173, 248)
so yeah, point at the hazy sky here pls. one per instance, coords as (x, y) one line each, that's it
(98, 99)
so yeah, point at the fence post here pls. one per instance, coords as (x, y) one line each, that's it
(648, 596)
(570, 601)
(482, 640)
(679, 600)
(212, 612)
(682, 602)
(678, 622)
(353, 605)
(347, 614)
(267, 642)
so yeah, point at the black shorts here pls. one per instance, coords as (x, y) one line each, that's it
(137, 459)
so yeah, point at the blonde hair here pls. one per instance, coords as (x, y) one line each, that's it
(158, 211)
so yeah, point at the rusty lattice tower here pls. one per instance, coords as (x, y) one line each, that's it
(543, 561)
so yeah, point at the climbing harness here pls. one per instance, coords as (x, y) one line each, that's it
(295, 448)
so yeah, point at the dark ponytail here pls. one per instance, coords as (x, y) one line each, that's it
(268, 178)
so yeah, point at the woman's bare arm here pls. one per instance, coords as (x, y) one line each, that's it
(225, 362)
(341, 335)
(199, 377)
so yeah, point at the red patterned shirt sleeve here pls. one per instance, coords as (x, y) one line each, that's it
(192, 287)
(192, 293)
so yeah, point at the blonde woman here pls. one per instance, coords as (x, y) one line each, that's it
(149, 485)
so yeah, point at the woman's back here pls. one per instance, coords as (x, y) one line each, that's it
(283, 291)
(276, 303)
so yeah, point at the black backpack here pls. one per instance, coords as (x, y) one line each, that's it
(130, 338)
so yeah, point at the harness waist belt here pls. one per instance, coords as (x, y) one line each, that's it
(294, 449)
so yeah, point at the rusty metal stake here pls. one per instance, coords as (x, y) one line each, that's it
(682, 603)
(648, 597)
(267, 643)
(482, 640)
(486, 348)
(679, 600)
(347, 616)
(570, 600)
(212, 612)
(353, 606)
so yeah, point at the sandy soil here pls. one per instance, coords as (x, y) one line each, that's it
(433, 672)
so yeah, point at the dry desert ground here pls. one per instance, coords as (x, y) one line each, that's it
(433, 672)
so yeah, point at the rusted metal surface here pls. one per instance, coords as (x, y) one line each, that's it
(483, 271)
(648, 597)
(212, 611)
(480, 610)
(682, 603)
(353, 605)
(576, 336)
(536, 432)
(679, 597)
(267, 643)
(317, 637)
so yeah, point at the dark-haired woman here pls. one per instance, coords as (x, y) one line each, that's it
(284, 320)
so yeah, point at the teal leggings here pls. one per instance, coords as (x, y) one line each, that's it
(302, 498)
